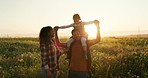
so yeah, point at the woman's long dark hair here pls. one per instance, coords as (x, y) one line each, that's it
(44, 35)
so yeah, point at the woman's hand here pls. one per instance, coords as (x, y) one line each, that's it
(49, 73)
(56, 28)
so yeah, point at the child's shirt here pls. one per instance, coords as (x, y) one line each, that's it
(79, 26)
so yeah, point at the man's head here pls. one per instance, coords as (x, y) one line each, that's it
(75, 33)
(76, 18)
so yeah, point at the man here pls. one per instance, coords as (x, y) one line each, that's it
(78, 66)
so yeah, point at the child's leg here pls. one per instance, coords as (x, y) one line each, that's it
(84, 45)
(69, 42)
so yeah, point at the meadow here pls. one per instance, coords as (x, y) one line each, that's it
(111, 58)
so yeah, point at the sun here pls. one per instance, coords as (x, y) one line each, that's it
(91, 30)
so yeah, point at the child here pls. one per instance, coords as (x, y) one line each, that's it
(78, 24)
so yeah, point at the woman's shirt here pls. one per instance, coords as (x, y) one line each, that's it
(49, 55)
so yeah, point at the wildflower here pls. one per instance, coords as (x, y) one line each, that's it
(22, 55)
(20, 60)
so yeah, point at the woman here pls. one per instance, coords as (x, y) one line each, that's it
(49, 53)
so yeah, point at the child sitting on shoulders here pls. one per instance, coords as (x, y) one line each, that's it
(79, 25)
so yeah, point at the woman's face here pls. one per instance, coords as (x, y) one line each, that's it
(51, 33)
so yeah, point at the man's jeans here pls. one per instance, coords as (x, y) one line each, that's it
(77, 74)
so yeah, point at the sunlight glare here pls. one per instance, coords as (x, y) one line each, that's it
(91, 30)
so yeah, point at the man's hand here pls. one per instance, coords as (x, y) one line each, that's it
(49, 73)
(97, 23)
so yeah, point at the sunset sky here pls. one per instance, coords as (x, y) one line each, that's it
(25, 17)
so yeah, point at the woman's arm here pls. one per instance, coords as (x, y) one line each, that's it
(98, 38)
(64, 45)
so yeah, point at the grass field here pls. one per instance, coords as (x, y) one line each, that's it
(112, 58)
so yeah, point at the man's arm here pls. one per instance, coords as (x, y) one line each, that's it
(64, 45)
(98, 39)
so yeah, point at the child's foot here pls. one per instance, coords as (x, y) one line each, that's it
(86, 58)
(85, 52)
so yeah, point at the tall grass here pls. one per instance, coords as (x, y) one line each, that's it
(111, 58)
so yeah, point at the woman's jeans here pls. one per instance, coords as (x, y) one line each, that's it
(44, 73)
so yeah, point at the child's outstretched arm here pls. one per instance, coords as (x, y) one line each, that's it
(65, 26)
(89, 22)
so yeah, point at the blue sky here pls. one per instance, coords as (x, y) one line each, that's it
(29, 16)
